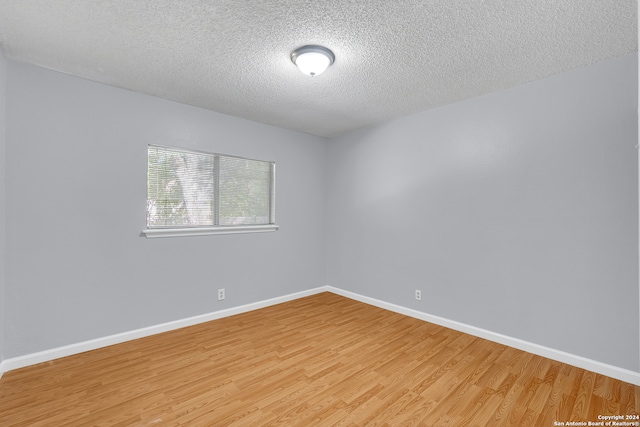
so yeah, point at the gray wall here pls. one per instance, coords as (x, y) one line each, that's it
(3, 85)
(77, 268)
(516, 212)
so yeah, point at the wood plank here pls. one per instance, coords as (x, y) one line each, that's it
(320, 360)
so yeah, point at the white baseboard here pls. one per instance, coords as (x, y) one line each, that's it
(69, 350)
(560, 356)
(550, 353)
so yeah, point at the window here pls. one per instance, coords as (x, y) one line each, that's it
(191, 193)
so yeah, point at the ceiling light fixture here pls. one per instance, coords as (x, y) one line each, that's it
(312, 60)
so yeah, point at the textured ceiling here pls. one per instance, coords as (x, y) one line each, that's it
(393, 58)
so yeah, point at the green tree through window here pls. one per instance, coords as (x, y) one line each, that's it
(194, 189)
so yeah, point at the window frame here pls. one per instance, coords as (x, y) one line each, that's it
(190, 230)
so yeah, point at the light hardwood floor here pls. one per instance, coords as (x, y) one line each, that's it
(323, 360)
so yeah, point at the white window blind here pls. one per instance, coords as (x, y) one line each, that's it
(193, 192)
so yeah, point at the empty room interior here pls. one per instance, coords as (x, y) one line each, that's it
(438, 226)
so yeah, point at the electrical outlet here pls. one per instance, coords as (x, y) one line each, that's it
(220, 294)
(418, 294)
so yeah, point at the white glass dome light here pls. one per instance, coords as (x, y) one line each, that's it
(312, 60)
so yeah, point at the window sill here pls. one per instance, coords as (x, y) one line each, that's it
(205, 231)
